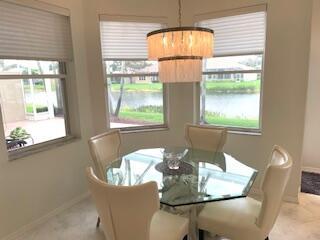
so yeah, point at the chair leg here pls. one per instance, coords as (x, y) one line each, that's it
(98, 222)
(201, 234)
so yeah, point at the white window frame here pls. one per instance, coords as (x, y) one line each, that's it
(235, 128)
(62, 76)
(142, 19)
(234, 12)
(65, 73)
(164, 125)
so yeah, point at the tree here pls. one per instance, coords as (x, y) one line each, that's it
(122, 67)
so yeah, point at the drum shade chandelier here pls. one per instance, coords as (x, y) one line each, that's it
(180, 51)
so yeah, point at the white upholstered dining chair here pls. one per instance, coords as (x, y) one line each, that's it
(104, 148)
(133, 212)
(206, 138)
(246, 218)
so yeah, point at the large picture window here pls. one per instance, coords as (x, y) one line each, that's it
(232, 80)
(34, 51)
(135, 97)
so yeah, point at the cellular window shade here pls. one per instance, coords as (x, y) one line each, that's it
(240, 34)
(125, 40)
(28, 33)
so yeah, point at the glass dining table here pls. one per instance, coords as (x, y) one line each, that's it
(201, 177)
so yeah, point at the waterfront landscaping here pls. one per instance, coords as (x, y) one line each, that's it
(149, 112)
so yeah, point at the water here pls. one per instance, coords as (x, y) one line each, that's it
(234, 105)
(231, 105)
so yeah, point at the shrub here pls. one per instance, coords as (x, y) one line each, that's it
(19, 133)
(146, 109)
(42, 109)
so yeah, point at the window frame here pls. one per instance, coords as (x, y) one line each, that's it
(66, 77)
(163, 21)
(235, 12)
(235, 128)
(38, 147)
(151, 127)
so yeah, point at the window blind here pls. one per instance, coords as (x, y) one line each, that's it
(29, 33)
(236, 35)
(125, 40)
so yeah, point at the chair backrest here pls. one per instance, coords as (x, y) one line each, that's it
(205, 137)
(125, 212)
(104, 148)
(273, 187)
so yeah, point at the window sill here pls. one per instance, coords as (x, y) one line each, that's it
(142, 130)
(245, 132)
(239, 131)
(41, 147)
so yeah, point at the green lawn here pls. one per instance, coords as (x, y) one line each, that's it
(211, 86)
(233, 122)
(143, 87)
(234, 87)
(142, 116)
(218, 120)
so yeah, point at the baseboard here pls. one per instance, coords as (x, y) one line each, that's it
(23, 230)
(256, 192)
(311, 169)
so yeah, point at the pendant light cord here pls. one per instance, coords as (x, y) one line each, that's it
(179, 13)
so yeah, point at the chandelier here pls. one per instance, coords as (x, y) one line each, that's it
(180, 51)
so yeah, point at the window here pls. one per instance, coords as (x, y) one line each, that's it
(32, 87)
(135, 97)
(231, 86)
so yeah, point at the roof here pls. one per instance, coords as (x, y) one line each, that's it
(226, 64)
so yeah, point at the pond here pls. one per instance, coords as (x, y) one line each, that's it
(231, 105)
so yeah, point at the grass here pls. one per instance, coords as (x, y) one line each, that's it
(218, 118)
(142, 116)
(143, 87)
(211, 87)
(233, 122)
(233, 87)
(154, 115)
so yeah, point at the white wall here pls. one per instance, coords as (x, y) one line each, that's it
(311, 153)
(31, 187)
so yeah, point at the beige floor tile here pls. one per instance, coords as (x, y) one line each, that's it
(295, 222)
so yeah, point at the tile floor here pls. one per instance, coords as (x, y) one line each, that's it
(295, 222)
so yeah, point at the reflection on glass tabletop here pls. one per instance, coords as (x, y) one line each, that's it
(202, 176)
